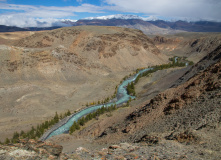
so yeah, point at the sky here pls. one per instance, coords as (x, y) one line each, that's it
(47, 13)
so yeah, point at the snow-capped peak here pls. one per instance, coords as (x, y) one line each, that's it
(151, 18)
(68, 20)
(122, 16)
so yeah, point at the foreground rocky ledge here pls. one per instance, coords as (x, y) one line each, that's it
(31, 149)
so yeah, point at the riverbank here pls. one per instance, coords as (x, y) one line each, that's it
(65, 124)
(163, 78)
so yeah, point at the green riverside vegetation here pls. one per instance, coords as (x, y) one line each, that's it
(130, 90)
(81, 122)
(181, 62)
(37, 132)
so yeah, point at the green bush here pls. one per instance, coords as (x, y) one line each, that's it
(37, 132)
(82, 121)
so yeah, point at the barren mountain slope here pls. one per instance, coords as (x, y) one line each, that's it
(179, 122)
(9, 37)
(64, 69)
(192, 45)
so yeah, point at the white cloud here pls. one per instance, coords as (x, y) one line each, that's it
(204, 9)
(40, 16)
(24, 21)
(71, 9)
(44, 16)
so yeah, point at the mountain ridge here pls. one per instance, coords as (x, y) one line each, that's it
(149, 25)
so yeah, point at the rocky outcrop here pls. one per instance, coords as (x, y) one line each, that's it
(196, 89)
(204, 44)
(164, 40)
(186, 137)
(166, 149)
(31, 149)
(192, 45)
(201, 66)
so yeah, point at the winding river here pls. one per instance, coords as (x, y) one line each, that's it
(122, 97)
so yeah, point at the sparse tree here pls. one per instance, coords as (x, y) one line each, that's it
(7, 141)
(68, 113)
(56, 118)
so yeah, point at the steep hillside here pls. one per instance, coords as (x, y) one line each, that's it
(200, 86)
(192, 45)
(201, 66)
(90, 47)
(181, 122)
(64, 69)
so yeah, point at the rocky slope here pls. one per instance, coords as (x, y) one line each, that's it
(208, 60)
(82, 45)
(31, 149)
(192, 45)
(181, 122)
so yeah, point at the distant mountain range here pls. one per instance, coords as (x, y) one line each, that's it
(150, 25)
(4, 28)
(199, 26)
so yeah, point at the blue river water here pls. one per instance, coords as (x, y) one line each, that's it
(122, 97)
